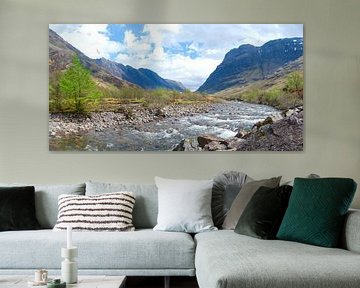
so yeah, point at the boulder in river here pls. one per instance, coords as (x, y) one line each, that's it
(187, 145)
(215, 146)
(206, 139)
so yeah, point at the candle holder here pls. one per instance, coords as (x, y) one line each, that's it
(69, 271)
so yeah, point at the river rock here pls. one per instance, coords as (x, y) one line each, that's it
(234, 143)
(280, 136)
(268, 130)
(125, 115)
(268, 120)
(240, 134)
(187, 145)
(293, 120)
(160, 112)
(206, 139)
(292, 111)
(215, 146)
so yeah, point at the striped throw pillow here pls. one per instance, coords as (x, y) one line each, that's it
(105, 212)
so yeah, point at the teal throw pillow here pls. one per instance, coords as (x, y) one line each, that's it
(316, 211)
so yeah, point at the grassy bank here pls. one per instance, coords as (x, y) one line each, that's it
(111, 99)
(157, 98)
(284, 94)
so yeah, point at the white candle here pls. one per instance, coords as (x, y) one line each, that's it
(69, 237)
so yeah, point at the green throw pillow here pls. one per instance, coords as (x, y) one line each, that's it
(316, 211)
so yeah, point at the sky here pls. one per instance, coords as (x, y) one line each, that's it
(182, 52)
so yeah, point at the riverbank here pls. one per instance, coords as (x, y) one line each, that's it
(281, 133)
(129, 115)
(227, 126)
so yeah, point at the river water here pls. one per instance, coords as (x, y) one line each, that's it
(222, 120)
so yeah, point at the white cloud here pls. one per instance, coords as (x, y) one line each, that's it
(160, 34)
(136, 47)
(191, 72)
(91, 39)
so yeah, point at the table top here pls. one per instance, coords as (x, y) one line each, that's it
(84, 281)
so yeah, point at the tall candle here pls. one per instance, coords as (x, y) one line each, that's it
(69, 237)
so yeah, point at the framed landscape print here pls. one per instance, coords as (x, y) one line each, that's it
(176, 87)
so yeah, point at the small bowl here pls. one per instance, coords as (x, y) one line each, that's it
(56, 283)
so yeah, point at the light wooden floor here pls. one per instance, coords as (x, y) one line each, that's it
(158, 282)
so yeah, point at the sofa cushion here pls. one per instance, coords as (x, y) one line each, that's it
(146, 205)
(317, 210)
(46, 200)
(350, 239)
(105, 212)
(225, 259)
(263, 215)
(17, 208)
(143, 249)
(184, 205)
(243, 198)
(225, 189)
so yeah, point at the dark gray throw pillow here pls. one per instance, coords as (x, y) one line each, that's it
(243, 198)
(17, 208)
(225, 189)
(263, 214)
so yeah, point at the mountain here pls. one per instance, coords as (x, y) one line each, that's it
(142, 77)
(248, 63)
(275, 80)
(61, 54)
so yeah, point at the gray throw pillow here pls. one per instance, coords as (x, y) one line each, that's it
(242, 199)
(46, 200)
(226, 187)
(310, 176)
(184, 205)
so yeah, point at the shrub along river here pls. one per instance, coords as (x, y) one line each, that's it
(222, 119)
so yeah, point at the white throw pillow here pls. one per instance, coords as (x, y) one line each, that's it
(184, 205)
(105, 212)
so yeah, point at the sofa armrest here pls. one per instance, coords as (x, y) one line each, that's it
(351, 234)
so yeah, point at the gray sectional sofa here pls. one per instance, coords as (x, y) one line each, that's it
(219, 259)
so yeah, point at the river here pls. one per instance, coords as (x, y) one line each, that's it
(222, 120)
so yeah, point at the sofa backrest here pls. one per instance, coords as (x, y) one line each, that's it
(146, 203)
(46, 200)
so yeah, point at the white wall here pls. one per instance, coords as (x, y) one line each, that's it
(332, 92)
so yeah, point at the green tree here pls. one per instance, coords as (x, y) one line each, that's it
(77, 87)
(295, 83)
(55, 97)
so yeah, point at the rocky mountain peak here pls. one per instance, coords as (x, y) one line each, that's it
(249, 63)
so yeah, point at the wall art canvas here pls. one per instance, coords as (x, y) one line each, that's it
(176, 87)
